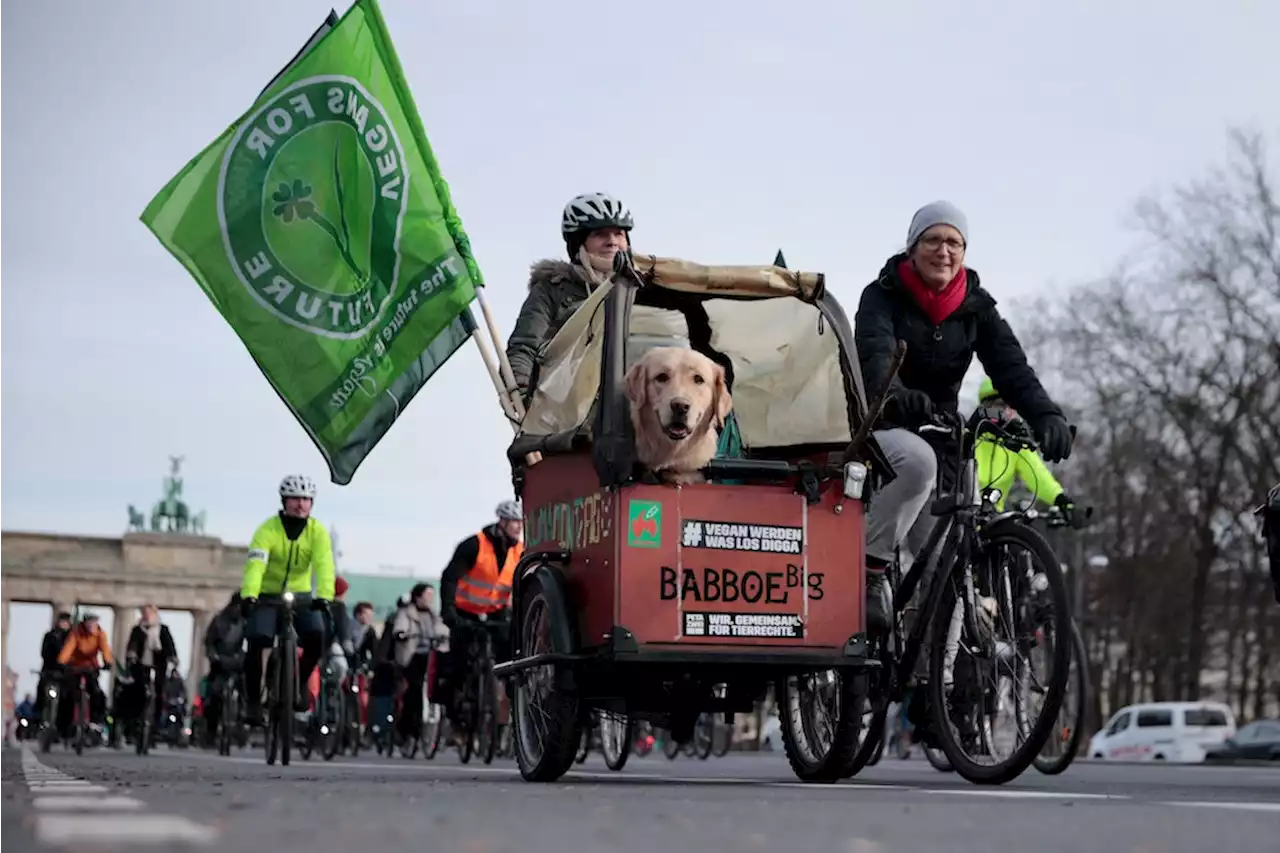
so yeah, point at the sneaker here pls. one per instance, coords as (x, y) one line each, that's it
(879, 602)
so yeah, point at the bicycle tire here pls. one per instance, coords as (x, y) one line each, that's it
(352, 726)
(432, 744)
(487, 721)
(1054, 766)
(707, 725)
(872, 737)
(288, 683)
(467, 737)
(271, 733)
(229, 718)
(993, 535)
(615, 761)
(82, 725)
(143, 744)
(331, 717)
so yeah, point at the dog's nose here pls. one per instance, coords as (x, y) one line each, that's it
(679, 407)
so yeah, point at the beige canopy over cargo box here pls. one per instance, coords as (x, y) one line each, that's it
(787, 343)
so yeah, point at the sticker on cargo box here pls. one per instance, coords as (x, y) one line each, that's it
(644, 524)
(785, 625)
(759, 538)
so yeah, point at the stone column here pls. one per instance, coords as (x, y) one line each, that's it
(8, 692)
(200, 620)
(4, 634)
(125, 618)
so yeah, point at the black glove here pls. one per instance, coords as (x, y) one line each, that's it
(320, 605)
(910, 408)
(247, 605)
(449, 616)
(1055, 437)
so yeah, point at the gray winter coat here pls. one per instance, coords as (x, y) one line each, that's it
(556, 289)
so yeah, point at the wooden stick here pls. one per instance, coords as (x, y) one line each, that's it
(509, 377)
(489, 363)
(509, 406)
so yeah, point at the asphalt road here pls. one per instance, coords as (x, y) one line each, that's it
(105, 801)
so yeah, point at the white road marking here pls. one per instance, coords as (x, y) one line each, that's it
(61, 804)
(122, 829)
(1015, 794)
(87, 803)
(1238, 806)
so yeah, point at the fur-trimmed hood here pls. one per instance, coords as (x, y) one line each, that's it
(553, 271)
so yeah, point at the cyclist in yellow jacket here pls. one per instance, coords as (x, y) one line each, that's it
(285, 551)
(998, 466)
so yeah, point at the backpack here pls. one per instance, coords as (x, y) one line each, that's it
(384, 651)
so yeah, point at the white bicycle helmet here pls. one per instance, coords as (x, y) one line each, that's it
(510, 511)
(297, 486)
(585, 213)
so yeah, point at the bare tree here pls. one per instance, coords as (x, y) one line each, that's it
(1173, 368)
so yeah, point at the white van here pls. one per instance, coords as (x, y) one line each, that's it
(1163, 731)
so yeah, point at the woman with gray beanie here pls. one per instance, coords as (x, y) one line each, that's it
(927, 297)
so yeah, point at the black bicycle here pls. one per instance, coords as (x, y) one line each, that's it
(478, 711)
(325, 724)
(353, 730)
(1061, 749)
(282, 680)
(428, 732)
(52, 687)
(230, 725)
(145, 727)
(979, 627)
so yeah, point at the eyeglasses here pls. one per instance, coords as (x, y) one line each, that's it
(935, 243)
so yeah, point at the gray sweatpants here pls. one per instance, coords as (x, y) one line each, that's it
(896, 514)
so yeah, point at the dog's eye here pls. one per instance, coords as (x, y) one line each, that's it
(697, 379)
(662, 377)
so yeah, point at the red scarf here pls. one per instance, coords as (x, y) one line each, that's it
(937, 305)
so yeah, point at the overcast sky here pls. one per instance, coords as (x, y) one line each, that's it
(730, 129)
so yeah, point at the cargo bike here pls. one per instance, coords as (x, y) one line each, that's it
(660, 603)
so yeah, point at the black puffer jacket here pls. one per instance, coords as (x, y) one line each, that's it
(556, 289)
(939, 356)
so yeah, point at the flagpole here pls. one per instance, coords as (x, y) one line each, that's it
(508, 404)
(508, 376)
(489, 363)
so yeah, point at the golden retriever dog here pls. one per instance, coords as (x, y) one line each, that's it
(678, 396)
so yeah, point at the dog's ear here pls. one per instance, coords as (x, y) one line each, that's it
(721, 400)
(638, 383)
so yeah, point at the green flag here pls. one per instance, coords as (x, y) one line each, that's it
(319, 226)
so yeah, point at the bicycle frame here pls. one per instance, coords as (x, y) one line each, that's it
(282, 678)
(954, 528)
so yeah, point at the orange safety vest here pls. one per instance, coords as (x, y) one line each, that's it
(485, 588)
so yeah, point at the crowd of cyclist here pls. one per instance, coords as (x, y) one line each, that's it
(924, 296)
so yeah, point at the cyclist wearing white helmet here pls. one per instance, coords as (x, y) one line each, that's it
(595, 227)
(285, 550)
(477, 582)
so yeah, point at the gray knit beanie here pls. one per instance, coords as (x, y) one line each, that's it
(937, 213)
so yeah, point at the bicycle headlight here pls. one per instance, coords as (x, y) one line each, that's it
(288, 598)
(53, 692)
(855, 480)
